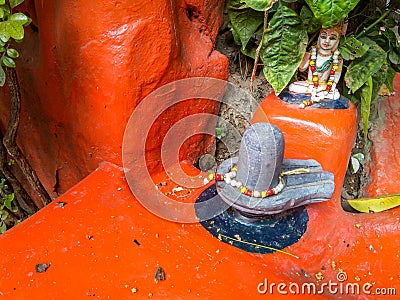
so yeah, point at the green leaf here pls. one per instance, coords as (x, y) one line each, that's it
(390, 23)
(14, 30)
(3, 227)
(14, 27)
(366, 97)
(251, 48)
(378, 79)
(378, 204)
(331, 12)
(2, 76)
(360, 69)
(393, 56)
(8, 62)
(352, 97)
(350, 48)
(283, 47)
(310, 22)
(14, 3)
(4, 35)
(20, 18)
(391, 73)
(12, 53)
(260, 5)
(6, 10)
(8, 199)
(3, 215)
(2, 2)
(244, 20)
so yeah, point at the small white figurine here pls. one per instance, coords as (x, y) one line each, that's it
(324, 69)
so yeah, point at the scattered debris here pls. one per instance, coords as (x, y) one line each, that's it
(357, 278)
(319, 276)
(89, 294)
(372, 248)
(119, 189)
(177, 189)
(305, 273)
(238, 237)
(134, 290)
(160, 275)
(136, 242)
(150, 295)
(357, 225)
(41, 268)
(61, 203)
(157, 235)
(333, 265)
(89, 237)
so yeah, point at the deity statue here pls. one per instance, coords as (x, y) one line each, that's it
(324, 69)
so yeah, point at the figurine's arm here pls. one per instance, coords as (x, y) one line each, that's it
(305, 62)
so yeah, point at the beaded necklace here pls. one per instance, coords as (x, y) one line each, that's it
(230, 178)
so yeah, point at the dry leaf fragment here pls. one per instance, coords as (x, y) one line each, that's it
(160, 275)
(41, 268)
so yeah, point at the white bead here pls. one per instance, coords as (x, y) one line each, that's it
(206, 181)
(335, 61)
(256, 194)
(238, 184)
(233, 174)
(337, 52)
(233, 182)
(227, 179)
(313, 57)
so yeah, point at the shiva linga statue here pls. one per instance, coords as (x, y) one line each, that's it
(324, 69)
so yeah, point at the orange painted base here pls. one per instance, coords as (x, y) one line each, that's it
(90, 242)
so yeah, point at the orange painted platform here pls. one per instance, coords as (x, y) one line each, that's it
(103, 244)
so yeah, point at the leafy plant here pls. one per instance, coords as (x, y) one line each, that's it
(6, 205)
(11, 27)
(12, 23)
(371, 52)
(220, 132)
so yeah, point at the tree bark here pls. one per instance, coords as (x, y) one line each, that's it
(9, 139)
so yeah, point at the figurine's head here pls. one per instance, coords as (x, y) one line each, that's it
(328, 39)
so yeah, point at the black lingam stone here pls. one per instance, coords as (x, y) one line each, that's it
(277, 220)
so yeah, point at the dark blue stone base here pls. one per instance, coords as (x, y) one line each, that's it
(277, 231)
(341, 103)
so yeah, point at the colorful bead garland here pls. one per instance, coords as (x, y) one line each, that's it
(229, 178)
(334, 60)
